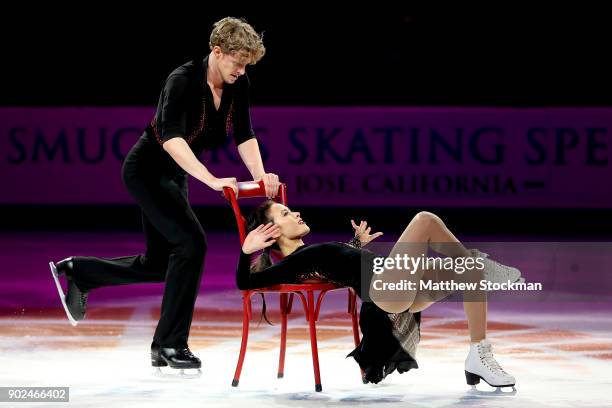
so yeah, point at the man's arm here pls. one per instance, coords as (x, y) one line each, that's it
(249, 152)
(251, 156)
(247, 145)
(182, 154)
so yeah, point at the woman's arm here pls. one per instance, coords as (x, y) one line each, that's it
(260, 238)
(362, 234)
(285, 271)
(355, 242)
(243, 272)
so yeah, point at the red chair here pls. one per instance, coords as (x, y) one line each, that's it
(286, 291)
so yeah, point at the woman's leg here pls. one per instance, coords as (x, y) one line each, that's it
(424, 230)
(475, 309)
(476, 313)
(429, 229)
(428, 226)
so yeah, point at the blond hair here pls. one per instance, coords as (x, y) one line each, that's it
(235, 35)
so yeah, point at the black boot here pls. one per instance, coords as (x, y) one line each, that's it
(75, 300)
(65, 267)
(180, 357)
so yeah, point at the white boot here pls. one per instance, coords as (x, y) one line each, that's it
(480, 363)
(496, 272)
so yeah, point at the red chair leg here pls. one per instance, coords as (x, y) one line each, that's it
(245, 338)
(313, 340)
(290, 303)
(284, 306)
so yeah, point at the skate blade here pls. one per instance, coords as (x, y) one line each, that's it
(473, 379)
(184, 373)
(497, 392)
(61, 294)
(498, 388)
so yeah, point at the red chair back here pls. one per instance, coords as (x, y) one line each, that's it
(249, 189)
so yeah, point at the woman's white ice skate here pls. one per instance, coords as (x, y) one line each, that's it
(480, 364)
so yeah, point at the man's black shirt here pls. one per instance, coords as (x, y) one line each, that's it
(186, 109)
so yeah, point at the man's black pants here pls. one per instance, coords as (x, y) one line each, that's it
(175, 246)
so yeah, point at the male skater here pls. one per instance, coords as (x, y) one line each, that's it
(202, 103)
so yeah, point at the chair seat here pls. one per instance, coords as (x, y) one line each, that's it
(291, 287)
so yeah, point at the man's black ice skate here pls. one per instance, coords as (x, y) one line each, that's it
(75, 300)
(180, 358)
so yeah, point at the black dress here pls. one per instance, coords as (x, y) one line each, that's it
(388, 340)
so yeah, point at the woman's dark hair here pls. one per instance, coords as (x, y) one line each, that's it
(257, 217)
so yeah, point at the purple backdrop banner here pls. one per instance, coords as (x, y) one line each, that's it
(558, 157)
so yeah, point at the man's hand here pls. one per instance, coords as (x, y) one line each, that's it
(271, 184)
(363, 233)
(260, 238)
(217, 184)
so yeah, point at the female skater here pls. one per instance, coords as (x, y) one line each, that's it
(391, 329)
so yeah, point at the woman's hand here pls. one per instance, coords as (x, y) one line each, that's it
(362, 231)
(217, 184)
(260, 238)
